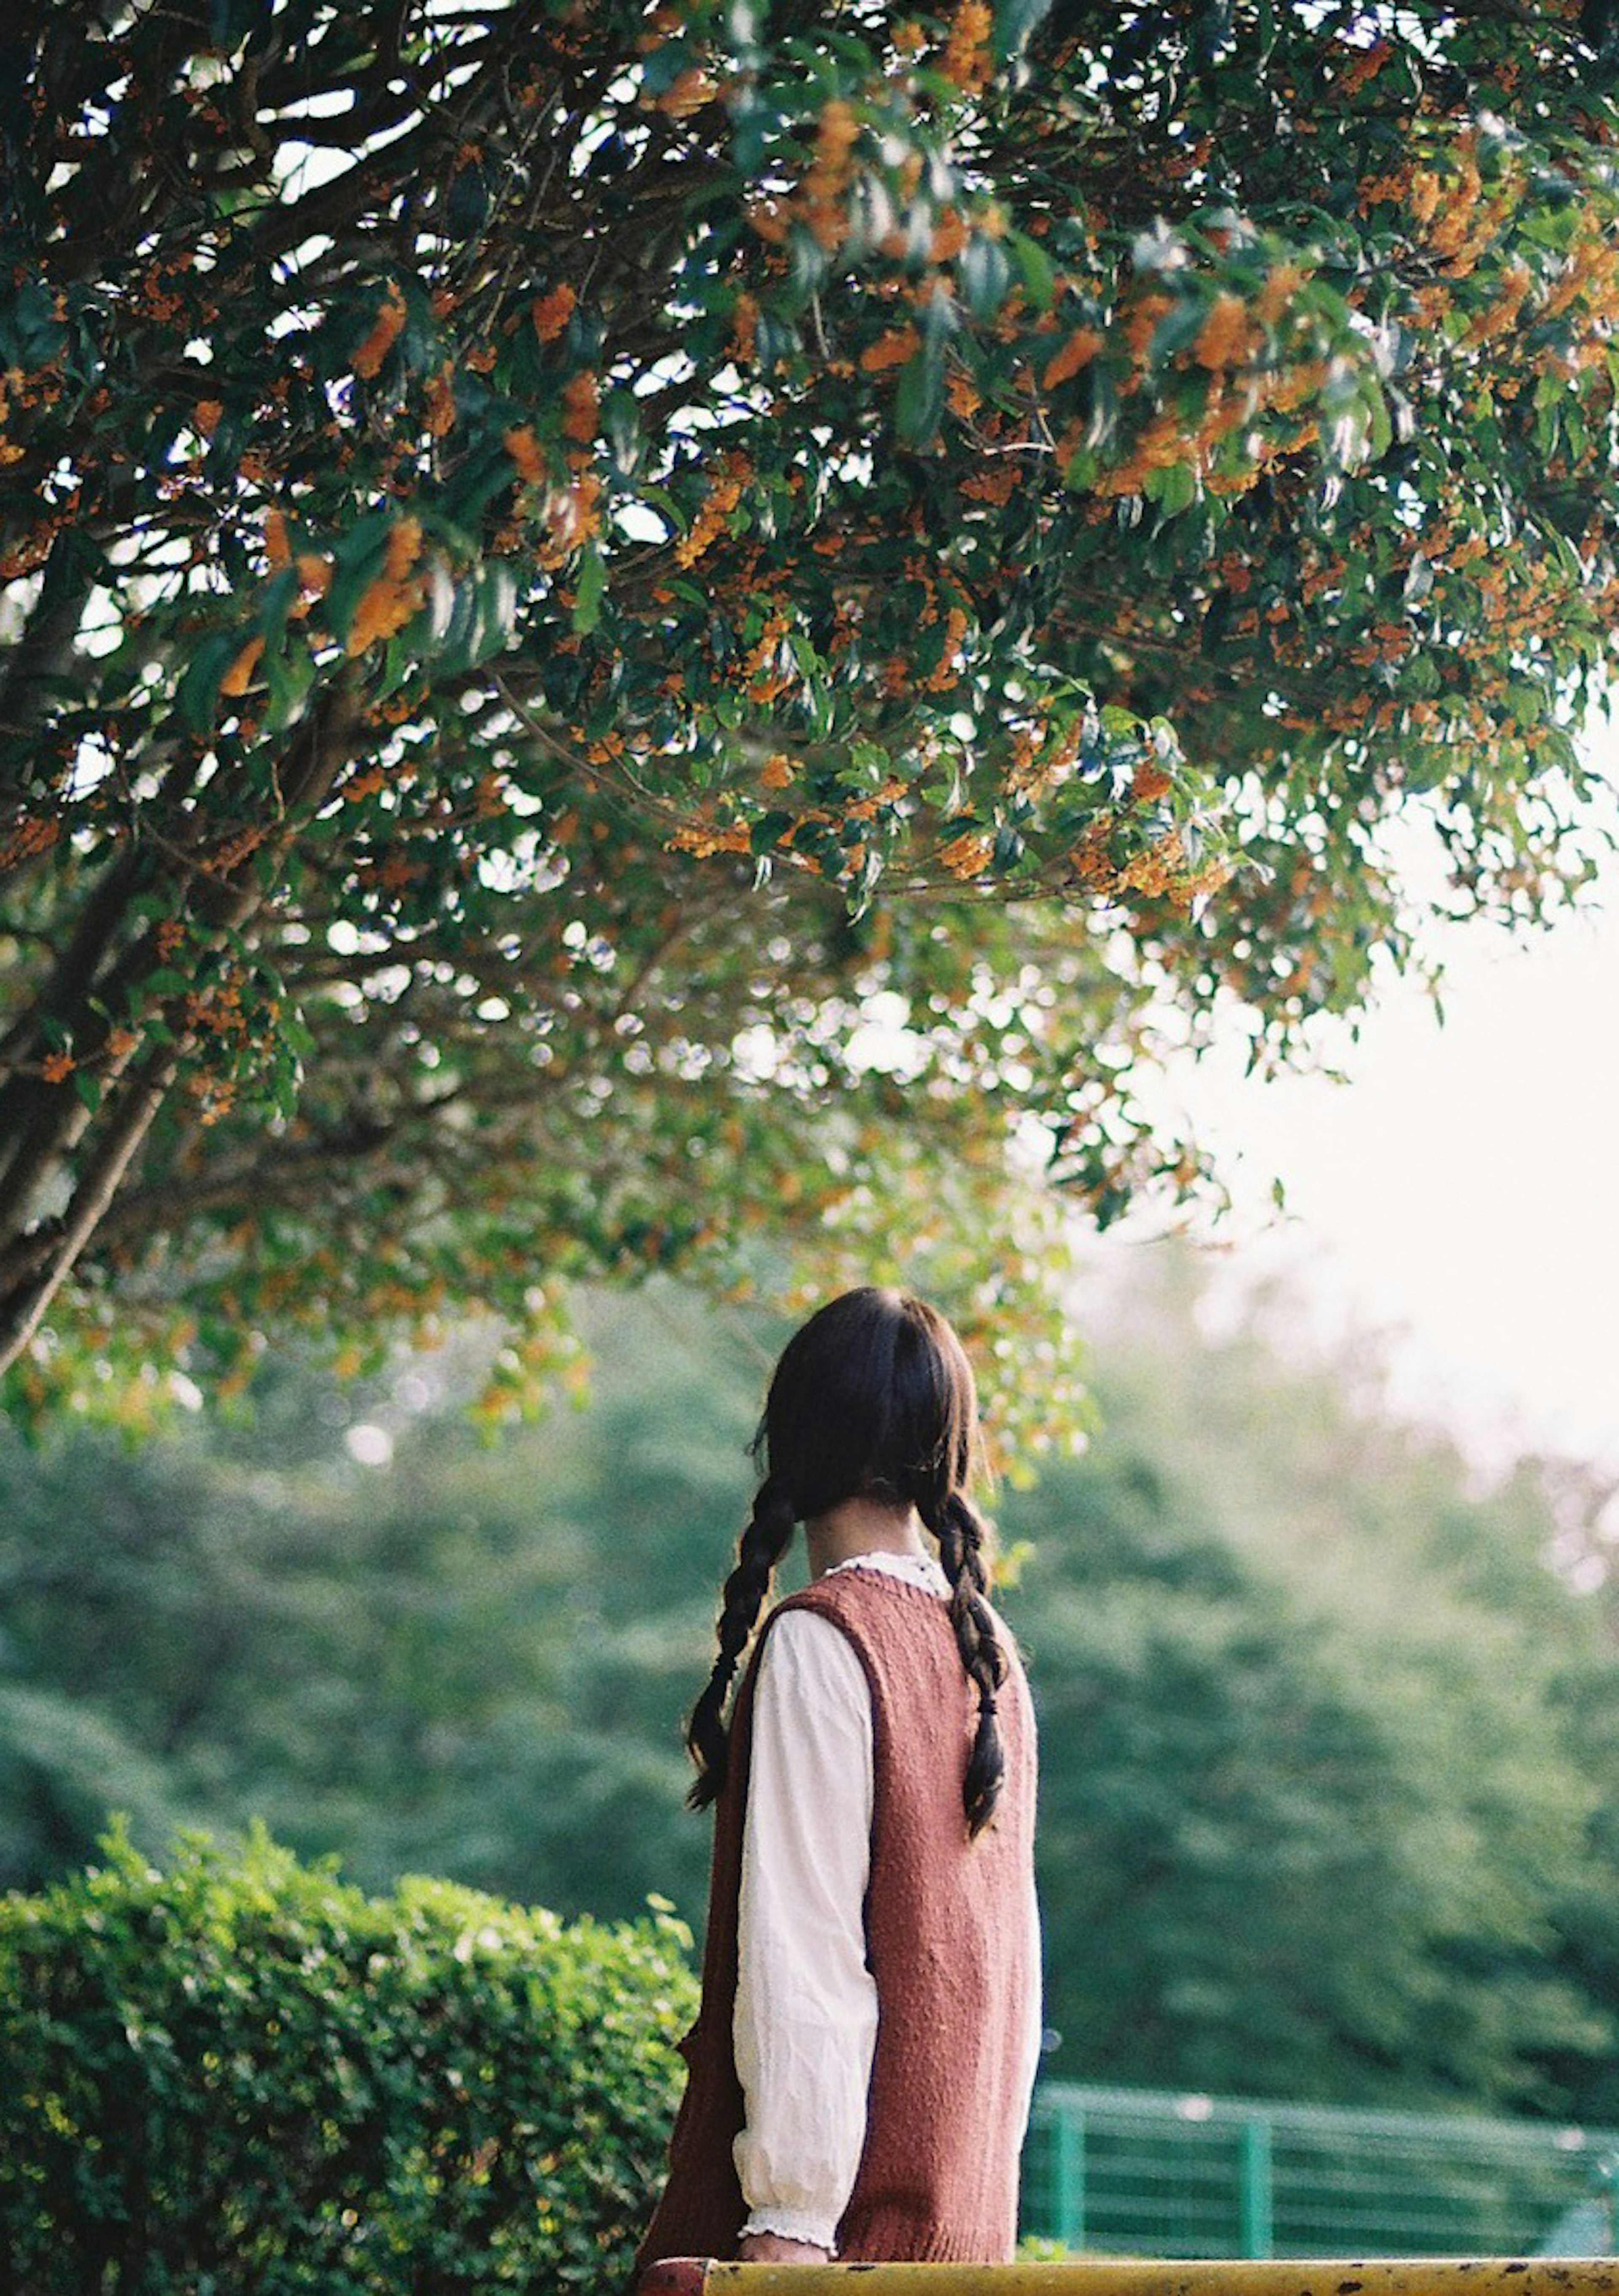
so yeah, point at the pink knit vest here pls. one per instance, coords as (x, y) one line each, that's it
(949, 1946)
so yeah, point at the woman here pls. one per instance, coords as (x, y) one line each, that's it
(860, 2073)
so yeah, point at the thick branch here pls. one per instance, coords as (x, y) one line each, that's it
(24, 1307)
(42, 654)
(40, 1261)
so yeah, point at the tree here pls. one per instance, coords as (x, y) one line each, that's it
(1323, 1812)
(643, 638)
(473, 1664)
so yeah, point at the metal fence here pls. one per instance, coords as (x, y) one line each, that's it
(1134, 2171)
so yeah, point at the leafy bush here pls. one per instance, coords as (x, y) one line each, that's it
(245, 2074)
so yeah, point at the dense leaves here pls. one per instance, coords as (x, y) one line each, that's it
(240, 2073)
(472, 1663)
(1323, 1804)
(641, 631)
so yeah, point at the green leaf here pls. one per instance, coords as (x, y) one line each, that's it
(919, 396)
(1177, 487)
(984, 274)
(1014, 20)
(1033, 266)
(197, 696)
(589, 588)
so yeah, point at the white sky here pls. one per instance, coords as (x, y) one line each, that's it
(1460, 1193)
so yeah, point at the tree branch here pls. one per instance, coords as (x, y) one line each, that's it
(38, 1263)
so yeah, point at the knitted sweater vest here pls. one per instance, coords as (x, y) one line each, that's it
(949, 1947)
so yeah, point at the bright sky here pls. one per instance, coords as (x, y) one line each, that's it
(1460, 1193)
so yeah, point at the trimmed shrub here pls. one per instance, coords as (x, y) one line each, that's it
(242, 2074)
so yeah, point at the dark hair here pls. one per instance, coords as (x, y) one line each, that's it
(873, 1397)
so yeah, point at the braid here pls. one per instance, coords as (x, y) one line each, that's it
(960, 1533)
(758, 1550)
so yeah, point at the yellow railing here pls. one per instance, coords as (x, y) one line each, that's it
(1472, 2276)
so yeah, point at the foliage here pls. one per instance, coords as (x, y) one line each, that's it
(642, 638)
(474, 1663)
(1237, 1780)
(241, 2073)
(1330, 1811)
(1291, 1666)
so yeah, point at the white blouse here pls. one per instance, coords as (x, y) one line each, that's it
(805, 2021)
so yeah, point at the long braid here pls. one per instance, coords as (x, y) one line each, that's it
(763, 1543)
(960, 1532)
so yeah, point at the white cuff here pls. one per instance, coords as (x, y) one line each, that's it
(793, 2224)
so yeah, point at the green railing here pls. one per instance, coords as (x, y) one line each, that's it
(1136, 2172)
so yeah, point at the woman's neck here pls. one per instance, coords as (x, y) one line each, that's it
(861, 1526)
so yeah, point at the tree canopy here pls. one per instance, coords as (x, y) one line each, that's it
(652, 637)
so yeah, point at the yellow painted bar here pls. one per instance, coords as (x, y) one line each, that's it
(1472, 2276)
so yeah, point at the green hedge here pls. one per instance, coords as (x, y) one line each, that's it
(243, 2075)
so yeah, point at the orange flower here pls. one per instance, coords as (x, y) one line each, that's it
(571, 514)
(1281, 285)
(836, 129)
(581, 404)
(404, 548)
(891, 348)
(1222, 340)
(966, 57)
(995, 482)
(384, 334)
(703, 842)
(1514, 285)
(1366, 66)
(239, 676)
(776, 772)
(385, 609)
(969, 854)
(689, 93)
(1422, 192)
(552, 312)
(526, 451)
(1142, 324)
(949, 668)
(950, 237)
(724, 493)
(769, 218)
(441, 396)
(744, 327)
(1081, 347)
(56, 1066)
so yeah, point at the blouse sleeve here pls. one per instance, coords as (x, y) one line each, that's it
(1034, 2020)
(806, 2012)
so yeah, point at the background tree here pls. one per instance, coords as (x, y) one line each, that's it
(1325, 1757)
(1322, 1802)
(562, 562)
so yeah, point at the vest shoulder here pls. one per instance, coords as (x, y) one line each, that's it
(858, 1597)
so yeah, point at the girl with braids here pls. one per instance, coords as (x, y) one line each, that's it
(859, 2073)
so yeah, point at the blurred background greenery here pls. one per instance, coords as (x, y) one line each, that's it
(1330, 1749)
